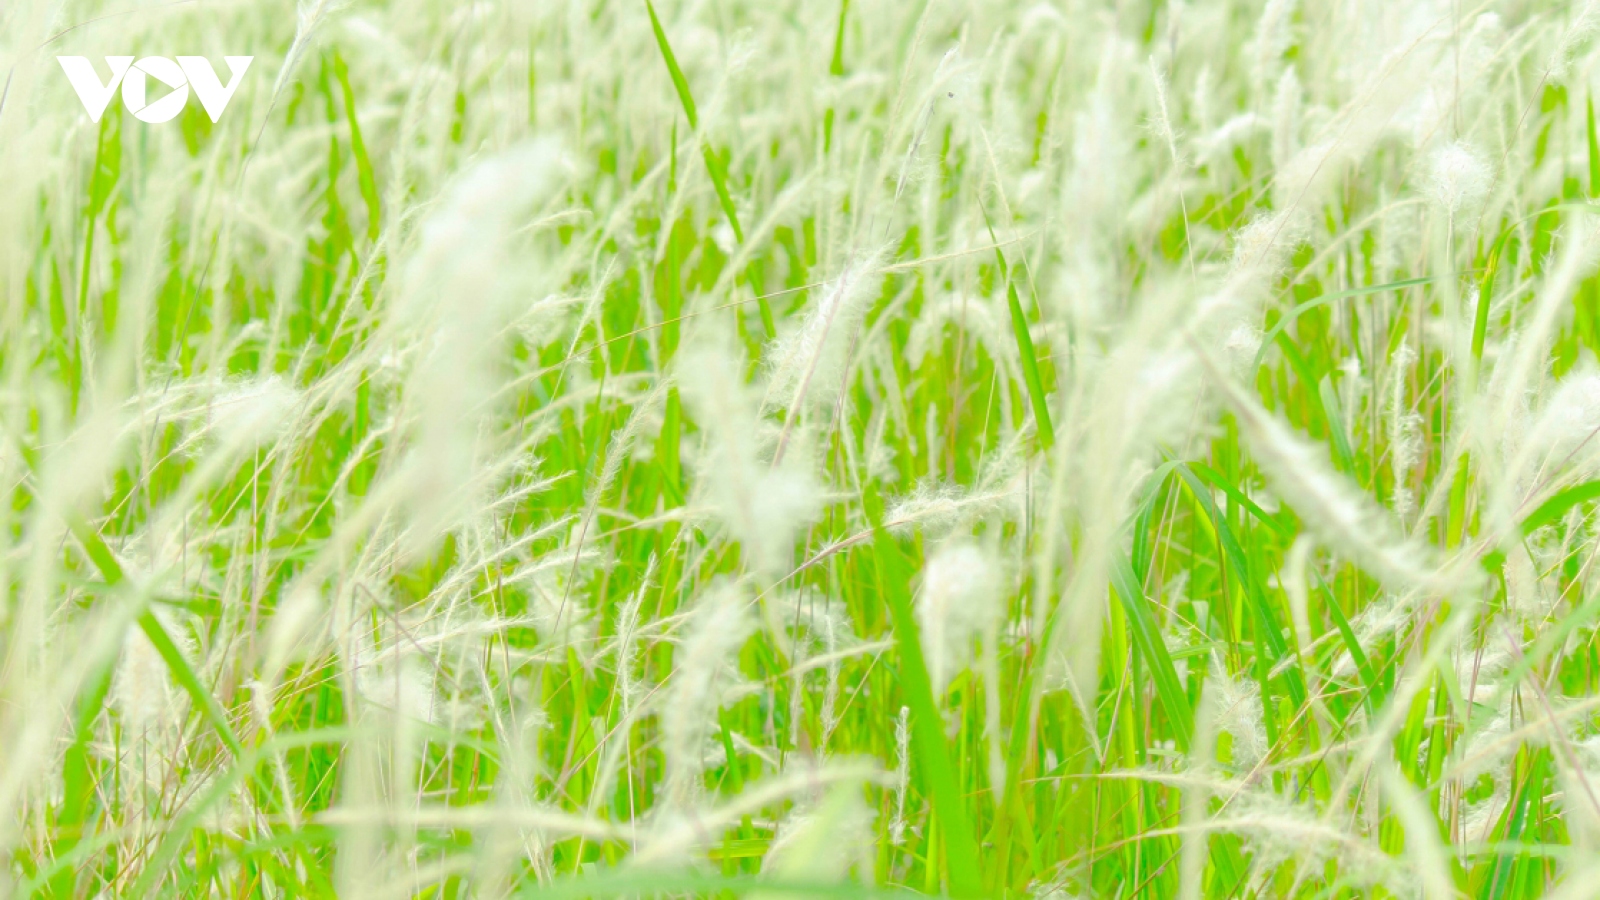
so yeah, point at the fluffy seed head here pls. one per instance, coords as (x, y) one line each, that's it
(141, 692)
(958, 600)
(254, 411)
(704, 665)
(1568, 427)
(1238, 704)
(762, 505)
(1458, 178)
(808, 361)
(1266, 243)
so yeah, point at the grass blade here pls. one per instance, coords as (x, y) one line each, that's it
(1271, 647)
(713, 164)
(1553, 509)
(927, 725)
(1289, 317)
(1594, 146)
(835, 70)
(1147, 639)
(78, 779)
(679, 83)
(1214, 478)
(185, 675)
(365, 175)
(1030, 360)
(182, 672)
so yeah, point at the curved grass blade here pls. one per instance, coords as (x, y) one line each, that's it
(719, 179)
(78, 785)
(1480, 321)
(1295, 313)
(1557, 506)
(714, 164)
(1271, 647)
(1214, 478)
(181, 671)
(927, 726)
(1147, 638)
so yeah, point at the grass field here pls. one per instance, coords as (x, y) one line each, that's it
(777, 449)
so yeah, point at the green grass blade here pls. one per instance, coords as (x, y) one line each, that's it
(679, 83)
(1289, 317)
(1224, 854)
(78, 780)
(1030, 368)
(185, 675)
(365, 176)
(1369, 676)
(1480, 314)
(714, 164)
(836, 64)
(1515, 822)
(1316, 399)
(1268, 632)
(927, 725)
(1491, 268)
(1334, 413)
(1594, 146)
(77, 775)
(1147, 639)
(1553, 509)
(1030, 360)
(1214, 478)
(111, 571)
(719, 180)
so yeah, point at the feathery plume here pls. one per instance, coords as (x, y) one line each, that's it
(1286, 118)
(704, 665)
(1566, 430)
(1272, 41)
(253, 412)
(142, 691)
(454, 297)
(1458, 178)
(958, 600)
(1405, 442)
(1238, 706)
(809, 359)
(762, 505)
(1575, 35)
(902, 774)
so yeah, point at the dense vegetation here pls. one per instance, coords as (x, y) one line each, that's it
(711, 448)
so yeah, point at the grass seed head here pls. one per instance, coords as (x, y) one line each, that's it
(705, 666)
(1458, 178)
(957, 602)
(763, 505)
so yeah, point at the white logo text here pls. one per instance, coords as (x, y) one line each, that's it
(132, 77)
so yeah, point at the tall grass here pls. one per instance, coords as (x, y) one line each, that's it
(804, 448)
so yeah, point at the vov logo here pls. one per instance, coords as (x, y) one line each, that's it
(133, 77)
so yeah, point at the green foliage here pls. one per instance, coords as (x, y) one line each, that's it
(1056, 450)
